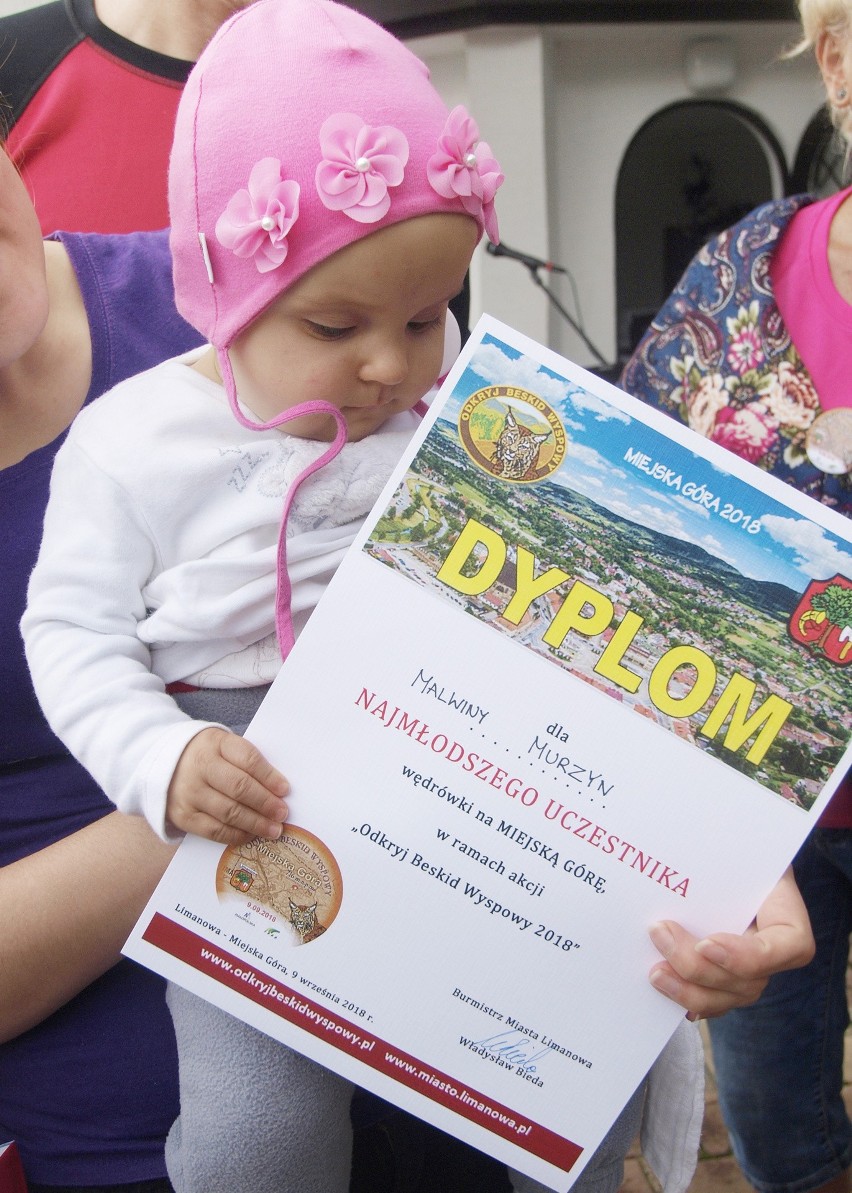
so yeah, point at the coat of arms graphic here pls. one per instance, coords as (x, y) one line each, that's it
(823, 618)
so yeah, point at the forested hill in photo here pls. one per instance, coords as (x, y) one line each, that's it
(617, 539)
(683, 558)
(673, 592)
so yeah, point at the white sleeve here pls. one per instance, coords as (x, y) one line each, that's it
(90, 671)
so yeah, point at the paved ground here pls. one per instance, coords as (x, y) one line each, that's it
(717, 1170)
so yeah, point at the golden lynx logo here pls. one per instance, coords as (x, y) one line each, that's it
(823, 619)
(512, 434)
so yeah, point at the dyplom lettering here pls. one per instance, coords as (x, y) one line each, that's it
(477, 561)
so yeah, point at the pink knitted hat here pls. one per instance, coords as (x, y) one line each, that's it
(304, 126)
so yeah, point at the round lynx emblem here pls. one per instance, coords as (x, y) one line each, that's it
(512, 434)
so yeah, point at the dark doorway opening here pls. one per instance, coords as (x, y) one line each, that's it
(693, 169)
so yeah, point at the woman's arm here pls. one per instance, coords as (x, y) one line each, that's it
(91, 670)
(60, 930)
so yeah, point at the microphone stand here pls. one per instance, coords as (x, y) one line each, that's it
(533, 267)
(534, 274)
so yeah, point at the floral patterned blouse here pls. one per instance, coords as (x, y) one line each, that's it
(719, 358)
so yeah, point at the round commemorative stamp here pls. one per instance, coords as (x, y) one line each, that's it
(291, 887)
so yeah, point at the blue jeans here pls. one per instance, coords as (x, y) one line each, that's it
(779, 1063)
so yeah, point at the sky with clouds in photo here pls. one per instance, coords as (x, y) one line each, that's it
(788, 549)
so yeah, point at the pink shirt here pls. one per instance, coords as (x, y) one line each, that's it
(819, 321)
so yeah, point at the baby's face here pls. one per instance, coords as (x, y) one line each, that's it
(363, 330)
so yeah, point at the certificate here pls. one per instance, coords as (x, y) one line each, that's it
(581, 670)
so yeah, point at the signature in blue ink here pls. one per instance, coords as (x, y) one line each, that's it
(514, 1048)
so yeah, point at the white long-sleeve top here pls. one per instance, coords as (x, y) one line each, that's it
(158, 563)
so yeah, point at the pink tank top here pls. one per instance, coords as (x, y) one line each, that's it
(819, 321)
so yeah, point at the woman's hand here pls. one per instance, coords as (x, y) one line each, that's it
(711, 976)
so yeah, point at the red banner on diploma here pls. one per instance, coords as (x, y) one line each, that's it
(236, 973)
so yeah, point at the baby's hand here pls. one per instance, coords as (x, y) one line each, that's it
(224, 789)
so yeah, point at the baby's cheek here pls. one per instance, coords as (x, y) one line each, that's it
(434, 365)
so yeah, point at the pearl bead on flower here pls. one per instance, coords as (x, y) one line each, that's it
(362, 165)
(267, 223)
(470, 160)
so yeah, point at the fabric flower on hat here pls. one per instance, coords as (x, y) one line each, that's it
(257, 219)
(360, 164)
(465, 168)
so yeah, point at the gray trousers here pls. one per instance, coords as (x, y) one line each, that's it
(257, 1116)
(254, 1115)
(605, 1171)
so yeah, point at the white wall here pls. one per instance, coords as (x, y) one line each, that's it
(559, 106)
(608, 83)
(7, 6)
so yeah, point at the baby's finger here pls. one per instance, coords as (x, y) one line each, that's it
(239, 802)
(207, 788)
(205, 825)
(252, 812)
(246, 757)
(223, 773)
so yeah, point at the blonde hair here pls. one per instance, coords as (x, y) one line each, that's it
(833, 17)
(822, 16)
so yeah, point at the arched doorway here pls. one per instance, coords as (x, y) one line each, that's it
(820, 167)
(691, 170)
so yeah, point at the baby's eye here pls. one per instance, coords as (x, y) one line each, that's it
(425, 324)
(324, 332)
